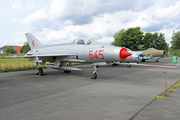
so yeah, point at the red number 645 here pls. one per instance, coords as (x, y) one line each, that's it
(91, 56)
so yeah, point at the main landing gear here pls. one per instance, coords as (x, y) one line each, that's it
(94, 73)
(39, 69)
(40, 73)
(66, 71)
(157, 60)
(143, 60)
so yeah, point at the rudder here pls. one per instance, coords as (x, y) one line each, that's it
(34, 43)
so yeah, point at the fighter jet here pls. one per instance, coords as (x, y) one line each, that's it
(79, 51)
(152, 53)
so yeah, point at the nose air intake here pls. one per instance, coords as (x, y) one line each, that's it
(123, 54)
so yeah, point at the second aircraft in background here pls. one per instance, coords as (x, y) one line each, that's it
(152, 53)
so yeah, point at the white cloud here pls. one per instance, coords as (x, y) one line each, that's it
(106, 40)
(168, 13)
(55, 35)
(22, 5)
(64, 8)
(30, 5)
(64, 20)
(17, 6)
(39, 15)
(87, 6)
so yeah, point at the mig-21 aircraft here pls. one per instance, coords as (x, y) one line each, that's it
(79, 51)
(152, 53)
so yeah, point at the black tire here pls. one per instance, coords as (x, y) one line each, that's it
(93, 76)
(67, 71)
(40, 71)
(114, 64)
(128, 66)
(143, 60)
(157, 61)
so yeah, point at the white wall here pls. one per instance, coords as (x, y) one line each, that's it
(1, 51)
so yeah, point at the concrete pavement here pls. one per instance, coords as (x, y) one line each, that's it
(119, 93)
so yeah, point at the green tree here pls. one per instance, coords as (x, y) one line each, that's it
(10, 50)
(156, 40)
(175, 40)
(25, 48)
(135, 39)
(160, 42)
(117, 36)
(147, 40)
(130, 38)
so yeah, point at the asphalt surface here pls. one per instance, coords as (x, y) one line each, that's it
(119, 93)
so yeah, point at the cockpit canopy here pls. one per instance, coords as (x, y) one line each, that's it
(84, 41)
(151, 49)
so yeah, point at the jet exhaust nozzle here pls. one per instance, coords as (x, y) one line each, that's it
(123, 54)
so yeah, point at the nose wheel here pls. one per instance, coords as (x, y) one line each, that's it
(94, 73)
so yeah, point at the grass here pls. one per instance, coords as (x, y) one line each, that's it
(172, 90)
(162, 97)
(20, 64)
(176, 85)
(16, 64)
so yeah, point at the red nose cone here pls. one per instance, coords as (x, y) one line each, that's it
(123, 54)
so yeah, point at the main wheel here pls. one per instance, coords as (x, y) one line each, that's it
(128, 66)
(40, 71)
(143, 60)
(157, 60)
(114, 64)
(93, 76)
(67, 71)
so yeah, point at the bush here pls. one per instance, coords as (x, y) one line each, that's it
(178, 54)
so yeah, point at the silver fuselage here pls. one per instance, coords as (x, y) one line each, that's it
(90, 53)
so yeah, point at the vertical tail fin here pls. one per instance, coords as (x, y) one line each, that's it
(34, 43)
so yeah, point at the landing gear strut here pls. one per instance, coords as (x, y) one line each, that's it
(39, 69)
(157, 60)
(94, 73)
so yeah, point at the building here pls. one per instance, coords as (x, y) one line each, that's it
(17, 48)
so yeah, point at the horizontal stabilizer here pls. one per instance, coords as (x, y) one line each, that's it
(145, 57)
(68, 68)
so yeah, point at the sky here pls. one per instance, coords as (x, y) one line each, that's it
(62, 21)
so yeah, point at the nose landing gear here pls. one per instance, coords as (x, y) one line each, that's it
(94, 73)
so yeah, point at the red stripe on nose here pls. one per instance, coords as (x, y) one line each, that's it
(123, 54)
